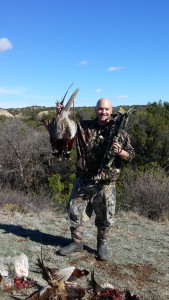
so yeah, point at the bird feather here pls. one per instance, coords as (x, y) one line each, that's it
(64, 274)
(21, 265)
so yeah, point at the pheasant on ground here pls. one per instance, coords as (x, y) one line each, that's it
(109, 292)
(61, 280)
(14, 274)
(105, 290)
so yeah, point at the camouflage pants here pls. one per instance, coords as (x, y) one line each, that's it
(87, 197)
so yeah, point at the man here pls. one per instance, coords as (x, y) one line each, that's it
(99, 161)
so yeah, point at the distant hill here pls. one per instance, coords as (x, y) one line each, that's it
(32, 112)
(4, 112)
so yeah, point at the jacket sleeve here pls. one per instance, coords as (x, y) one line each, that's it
(128, 147)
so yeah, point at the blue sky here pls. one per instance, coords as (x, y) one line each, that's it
(108, 48)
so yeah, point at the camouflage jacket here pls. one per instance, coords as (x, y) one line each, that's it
(95, 157)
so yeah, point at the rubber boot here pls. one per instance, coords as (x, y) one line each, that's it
(77, 243)
(102, 251)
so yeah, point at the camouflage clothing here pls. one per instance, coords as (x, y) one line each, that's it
(98, 168)
(87, 197)
(95, 157)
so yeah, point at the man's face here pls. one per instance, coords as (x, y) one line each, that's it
(104, 111)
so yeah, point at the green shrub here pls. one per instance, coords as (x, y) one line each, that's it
(55, 183)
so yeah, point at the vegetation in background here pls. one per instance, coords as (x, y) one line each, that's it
(28, 168)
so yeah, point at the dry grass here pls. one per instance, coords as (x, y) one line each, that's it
(138, 247)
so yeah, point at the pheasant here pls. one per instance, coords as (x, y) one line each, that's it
(58, 280)
(16, 279)
(109, 292)
(62, 129)
(21, 280)
(105, 291)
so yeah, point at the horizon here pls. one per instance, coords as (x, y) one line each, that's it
(75, 107)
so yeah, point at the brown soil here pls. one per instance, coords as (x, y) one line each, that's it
(138, 247)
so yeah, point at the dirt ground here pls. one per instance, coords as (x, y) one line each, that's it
(138, 247)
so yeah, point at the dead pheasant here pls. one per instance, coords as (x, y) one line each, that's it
(58, 280)
(21, 280)
(108, 291)
(62, 129)
(65, 274)
(105, 291)
(17, 278)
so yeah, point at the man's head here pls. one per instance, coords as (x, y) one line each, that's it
(103, 110)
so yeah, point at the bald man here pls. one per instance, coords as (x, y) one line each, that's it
(98, 168)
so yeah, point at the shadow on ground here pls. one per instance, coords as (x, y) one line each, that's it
(38, 236)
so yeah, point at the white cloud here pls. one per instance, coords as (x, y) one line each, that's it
(98, 91)
(121, 97)
(5, 44)
(83, 62)
(112, 69)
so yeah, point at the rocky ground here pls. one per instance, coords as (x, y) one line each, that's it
(139, 251)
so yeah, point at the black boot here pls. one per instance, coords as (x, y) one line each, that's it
(102, 251)
(77, 244)
(73, 247)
